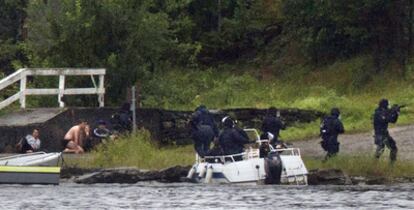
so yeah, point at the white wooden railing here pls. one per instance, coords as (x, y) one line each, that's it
(21, 75)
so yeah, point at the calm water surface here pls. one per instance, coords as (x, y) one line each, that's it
(193, 196)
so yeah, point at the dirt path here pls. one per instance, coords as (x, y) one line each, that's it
(363, 143)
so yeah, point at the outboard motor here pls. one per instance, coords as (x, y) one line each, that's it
(273, 168)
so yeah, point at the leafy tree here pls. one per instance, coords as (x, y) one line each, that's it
(130, 38)
(12, 15)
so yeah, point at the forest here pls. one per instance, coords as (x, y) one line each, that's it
(223, 53)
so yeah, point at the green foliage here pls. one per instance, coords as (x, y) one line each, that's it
(363, 165)
(133, 39)
(332, 86)
(11, 32)
(331, 29)
(138, 151)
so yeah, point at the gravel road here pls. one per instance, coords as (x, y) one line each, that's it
(363, 143)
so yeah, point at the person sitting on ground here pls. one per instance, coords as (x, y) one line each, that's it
(73, 140)
(99, 135)
(232, 139)
(30, 143)
(101, 131)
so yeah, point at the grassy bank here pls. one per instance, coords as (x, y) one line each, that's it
(137, 151)
(365, 166)
(350, 85)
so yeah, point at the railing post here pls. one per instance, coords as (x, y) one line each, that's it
(23, 90)
(133, 109)
(100, 88)
(61, 90)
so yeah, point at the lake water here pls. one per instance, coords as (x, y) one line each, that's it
(197, 196)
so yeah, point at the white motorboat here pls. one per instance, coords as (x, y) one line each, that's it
(284, 166)
(31, 159)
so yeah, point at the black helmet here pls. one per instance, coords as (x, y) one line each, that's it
(227, 122)
(272, 111)
(201, 108)
(335, 111)
(383, 103)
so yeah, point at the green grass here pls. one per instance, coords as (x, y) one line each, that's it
(350, 85)
(138, 151)
(135, 151)
(364, 165)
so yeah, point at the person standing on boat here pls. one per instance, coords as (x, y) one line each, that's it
(73, 140)
(232, 139)
(201, 134)
(271, 126)
(30, 143)
(382, 116)
(330, 128)
(206, 118)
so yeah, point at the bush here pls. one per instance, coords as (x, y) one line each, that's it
(138, 151)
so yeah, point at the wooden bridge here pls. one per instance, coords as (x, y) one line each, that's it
(21, 75)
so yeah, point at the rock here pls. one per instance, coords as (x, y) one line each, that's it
(358, 180)
(376, 181)
(134, 175)
(173, 174)
(167, 124)
(328, 177)
(115, 175)
(68, 172)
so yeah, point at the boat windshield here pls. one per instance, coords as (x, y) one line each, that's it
(252, 134)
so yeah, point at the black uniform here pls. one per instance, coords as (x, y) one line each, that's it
(205, 118)
(202, 136)
(203, 130)
(272, 124)
(382, 116)
(232, 140)
(331, 127)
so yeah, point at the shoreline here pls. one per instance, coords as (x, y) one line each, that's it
(177, 174)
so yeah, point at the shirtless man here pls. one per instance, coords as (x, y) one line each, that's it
(73, 140)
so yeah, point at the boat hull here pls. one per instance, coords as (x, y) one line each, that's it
(29, 175)
(251, 169)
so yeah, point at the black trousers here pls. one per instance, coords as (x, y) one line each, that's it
(385, 140)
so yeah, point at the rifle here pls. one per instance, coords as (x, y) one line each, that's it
(397, 107)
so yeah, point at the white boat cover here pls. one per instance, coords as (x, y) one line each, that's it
(32, 159)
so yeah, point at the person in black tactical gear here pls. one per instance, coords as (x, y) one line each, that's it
(122, 120)
(331, 126)
(205, 118)
(382, 116)
(203, 130)
(271, 126)
(232, 139)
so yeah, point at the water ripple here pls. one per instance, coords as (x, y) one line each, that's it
(154, 195)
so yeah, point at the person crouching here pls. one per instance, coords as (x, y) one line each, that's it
(232, 139)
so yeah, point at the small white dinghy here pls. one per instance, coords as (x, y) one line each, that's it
(31, 159)
(30, 168)
(285, 167)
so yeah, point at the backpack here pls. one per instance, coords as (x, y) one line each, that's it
(327, 126)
